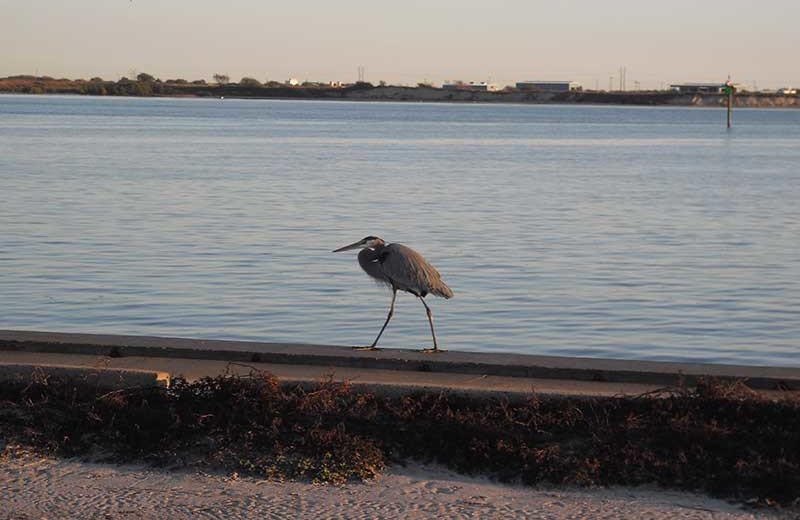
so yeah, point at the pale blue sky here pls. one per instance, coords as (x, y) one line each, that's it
(405, 42)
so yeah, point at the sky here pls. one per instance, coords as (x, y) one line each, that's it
(502, 41)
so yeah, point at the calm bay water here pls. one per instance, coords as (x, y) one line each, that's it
(639, 233)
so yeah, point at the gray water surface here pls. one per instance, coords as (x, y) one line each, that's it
(639, 233)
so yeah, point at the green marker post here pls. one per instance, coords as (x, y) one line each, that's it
(729, 92)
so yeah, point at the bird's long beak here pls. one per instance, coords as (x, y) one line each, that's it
(354, 245)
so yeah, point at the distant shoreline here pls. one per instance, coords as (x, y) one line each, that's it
(368, 92)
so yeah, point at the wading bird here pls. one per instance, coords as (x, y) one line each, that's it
(402, 269)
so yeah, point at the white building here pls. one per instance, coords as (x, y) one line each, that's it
(694, 88)
(293, 82)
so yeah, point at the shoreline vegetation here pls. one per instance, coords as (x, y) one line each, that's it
(148, 86)
(721, 439)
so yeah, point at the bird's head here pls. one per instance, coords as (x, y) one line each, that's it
(370, 242)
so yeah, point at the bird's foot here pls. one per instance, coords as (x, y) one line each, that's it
(433, 350)
(371, 347)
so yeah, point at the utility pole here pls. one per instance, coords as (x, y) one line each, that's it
(623, 78)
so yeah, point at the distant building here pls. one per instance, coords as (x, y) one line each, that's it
(550, 86)
(695, 88)
(293, 82)
(787, 91)
(472, 85)
(484, 86)
(455, 86)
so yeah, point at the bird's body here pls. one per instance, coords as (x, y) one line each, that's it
(402, 269)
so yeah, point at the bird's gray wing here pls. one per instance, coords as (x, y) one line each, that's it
(408, 270)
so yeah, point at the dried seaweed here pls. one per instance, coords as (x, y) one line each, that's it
(720, 438)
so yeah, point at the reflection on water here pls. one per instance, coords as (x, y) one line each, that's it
(593, 231)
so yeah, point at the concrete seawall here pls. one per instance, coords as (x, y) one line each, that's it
(396, 360)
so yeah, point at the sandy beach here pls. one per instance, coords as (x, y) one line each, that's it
(43, 488)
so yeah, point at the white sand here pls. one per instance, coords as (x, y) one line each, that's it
(38, 488)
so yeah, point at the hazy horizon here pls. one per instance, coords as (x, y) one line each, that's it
(405, 43)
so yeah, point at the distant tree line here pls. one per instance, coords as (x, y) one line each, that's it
(145, 84)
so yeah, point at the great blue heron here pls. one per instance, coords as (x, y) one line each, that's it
(402, 269)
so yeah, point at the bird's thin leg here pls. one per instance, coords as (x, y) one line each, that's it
(433, 332)
(389, 317)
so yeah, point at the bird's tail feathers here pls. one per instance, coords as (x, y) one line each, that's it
(442, 290)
